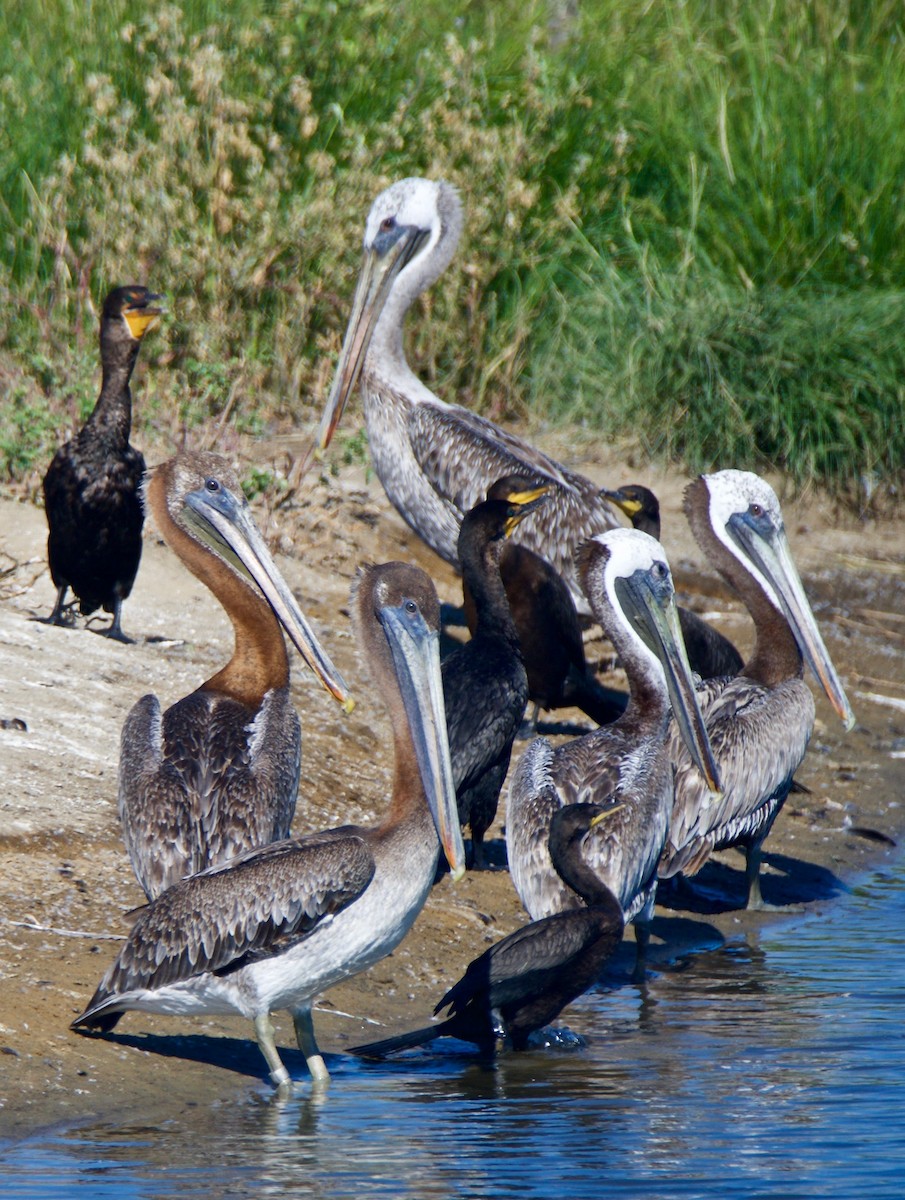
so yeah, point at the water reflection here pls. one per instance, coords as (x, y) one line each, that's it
(770, 1067)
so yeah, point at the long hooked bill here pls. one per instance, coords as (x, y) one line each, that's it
(416, 657)
(773, 556)
(378, 271)
(224, 522)
(650, 605)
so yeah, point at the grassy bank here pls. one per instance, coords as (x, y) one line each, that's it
(684, 221)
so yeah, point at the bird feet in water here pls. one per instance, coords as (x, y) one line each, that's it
(551, 1037)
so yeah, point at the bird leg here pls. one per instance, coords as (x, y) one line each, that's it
(264, 1032)
(56, 617)
(756, 902)
(642, 940)
(116, 630)
(304, 1033)
(500, 1031)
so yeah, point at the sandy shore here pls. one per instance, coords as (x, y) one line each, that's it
(66, 882)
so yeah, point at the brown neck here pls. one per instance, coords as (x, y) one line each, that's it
(408, 800)
(408, 804)
(259, 662)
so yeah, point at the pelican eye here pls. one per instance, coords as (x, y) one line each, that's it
(659, 570)
(411, 607)
(212, 485)
(755, 510)
(387, 224)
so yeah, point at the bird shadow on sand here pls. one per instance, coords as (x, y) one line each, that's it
(718, 887)
(239, 1055)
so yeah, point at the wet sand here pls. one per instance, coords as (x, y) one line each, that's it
(65, 881)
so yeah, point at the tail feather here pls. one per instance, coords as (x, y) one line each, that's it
(403, 1041)
(97, 1017)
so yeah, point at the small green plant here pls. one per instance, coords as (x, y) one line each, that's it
(263, 481)
(27, 432)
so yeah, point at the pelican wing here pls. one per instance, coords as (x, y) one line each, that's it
(608, 765)
(202, 783)
(154, 802)
(462, 454)
(255, 906)
(532, 800)
(759, 737)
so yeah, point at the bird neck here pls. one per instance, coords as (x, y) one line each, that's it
(259, 662)
(481, 573)
(386, 352)
(574, 869)
(408, 798)
(648, 705)
(648, 699)
(776, 655)
(112, 413)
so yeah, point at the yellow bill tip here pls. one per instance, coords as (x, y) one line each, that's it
(529, 496)
(140, 320)
(607, 812)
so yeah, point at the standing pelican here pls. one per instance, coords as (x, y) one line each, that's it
(276, 926)
(760, 721)
(485, 689)
(709, 653)
(91, 489)
(627, 580)
(525, 981)
(218, 772)
(434, 459)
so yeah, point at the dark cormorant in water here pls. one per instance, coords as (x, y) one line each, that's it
(91, 489)
(218, 772)
(709, 652)
(278, 925)
(525, 981)
(484, 685)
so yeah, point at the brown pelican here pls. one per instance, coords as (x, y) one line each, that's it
(434, 459)
(218, 772)
(630, 589)
(484, 685)
(525, 981)
(549, 637)
(759, 722)
(91, 487)
(709, 653)
(276, 926)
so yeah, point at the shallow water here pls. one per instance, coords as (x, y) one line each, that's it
(772, 1067)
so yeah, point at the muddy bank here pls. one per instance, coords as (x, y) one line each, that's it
(66, 882)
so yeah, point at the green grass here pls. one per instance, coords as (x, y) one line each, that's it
(685, 221)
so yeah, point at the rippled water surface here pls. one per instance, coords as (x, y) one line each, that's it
(768, 1068)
